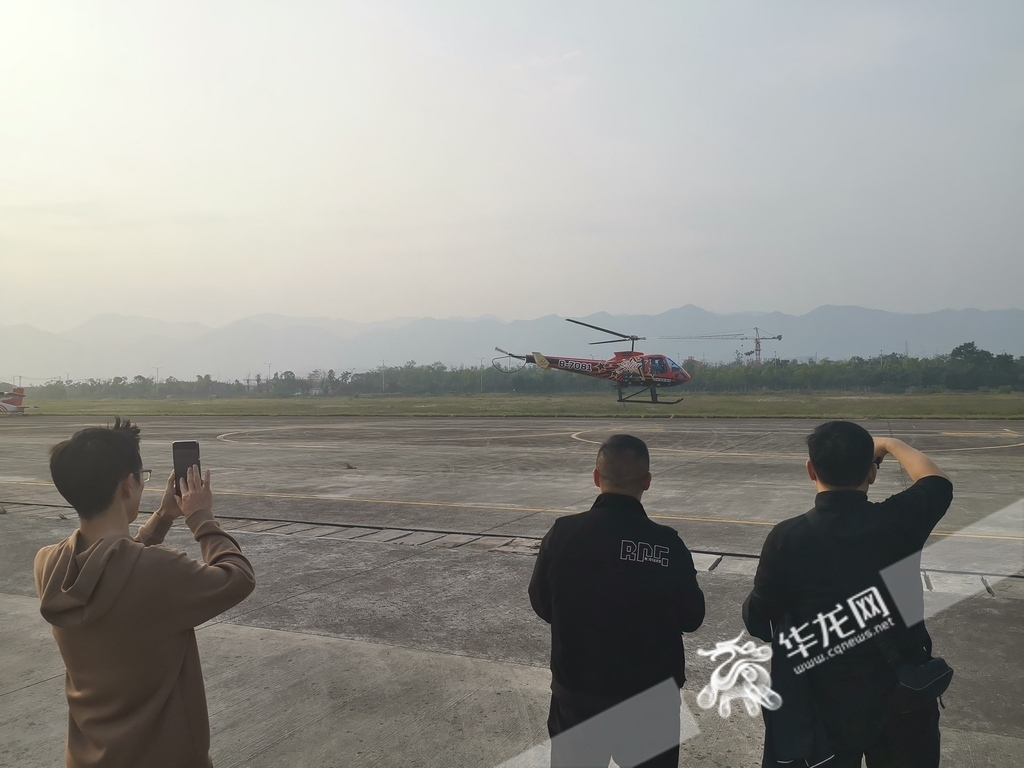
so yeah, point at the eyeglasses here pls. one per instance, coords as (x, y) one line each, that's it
(144, 475)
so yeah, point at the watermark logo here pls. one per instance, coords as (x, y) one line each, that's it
(1002, 553)
(862, 617)
(738, 677)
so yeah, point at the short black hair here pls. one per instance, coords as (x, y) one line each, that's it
(623, 461)
(841, 453)
(87, 467)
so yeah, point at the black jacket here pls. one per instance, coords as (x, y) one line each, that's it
(799, 576)
(804, 573)
(618, 590)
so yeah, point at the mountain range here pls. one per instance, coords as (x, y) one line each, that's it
(115, 345)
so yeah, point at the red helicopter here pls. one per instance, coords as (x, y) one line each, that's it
(629, 370)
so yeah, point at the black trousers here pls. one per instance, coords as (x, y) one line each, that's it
(861, 721)
(909, 740)
(594, 747)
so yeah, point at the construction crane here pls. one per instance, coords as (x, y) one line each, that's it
(757, 338)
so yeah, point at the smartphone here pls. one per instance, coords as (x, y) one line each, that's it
(186, 454)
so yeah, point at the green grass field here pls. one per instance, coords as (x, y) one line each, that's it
(764, 404)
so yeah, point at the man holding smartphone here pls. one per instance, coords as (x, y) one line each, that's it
(124, 609)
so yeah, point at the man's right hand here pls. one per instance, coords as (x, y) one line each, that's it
(195, 492)
(913, 461)
(882, 449)
(169, 508)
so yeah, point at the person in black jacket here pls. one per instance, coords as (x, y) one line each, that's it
(820, 595)
(618, 590)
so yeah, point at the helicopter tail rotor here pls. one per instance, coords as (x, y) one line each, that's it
(509, 362)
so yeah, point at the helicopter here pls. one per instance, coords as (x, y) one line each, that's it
(634, 370)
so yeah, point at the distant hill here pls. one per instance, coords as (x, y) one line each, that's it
(112, 345)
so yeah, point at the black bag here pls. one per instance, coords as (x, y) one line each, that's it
(920, 684)
(917, 684)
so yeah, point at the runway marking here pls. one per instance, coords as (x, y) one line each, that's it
(761, 522)
(725, 452)
(578, 437)
(979, 448)
(500, 508)
(226, 437)
(695, 451)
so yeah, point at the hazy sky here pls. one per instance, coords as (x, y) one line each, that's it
(366, 160)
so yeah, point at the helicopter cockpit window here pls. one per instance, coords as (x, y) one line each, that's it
(673, 365)
(658, 365)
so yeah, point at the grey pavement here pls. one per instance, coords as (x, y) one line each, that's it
(391, 626)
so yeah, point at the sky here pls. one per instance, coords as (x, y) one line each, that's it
(369, 160)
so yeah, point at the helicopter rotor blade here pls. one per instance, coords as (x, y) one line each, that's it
(708, 336)
(603, 330)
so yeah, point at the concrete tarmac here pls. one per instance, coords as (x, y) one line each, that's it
(390, 624)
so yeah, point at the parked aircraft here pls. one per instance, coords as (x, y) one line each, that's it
(13, 402)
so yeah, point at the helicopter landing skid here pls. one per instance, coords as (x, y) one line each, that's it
(654, 397)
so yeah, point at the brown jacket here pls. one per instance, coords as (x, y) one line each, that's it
(123, 613)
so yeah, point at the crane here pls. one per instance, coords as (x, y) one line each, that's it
(757, 338)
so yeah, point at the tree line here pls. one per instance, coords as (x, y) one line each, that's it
(966, 368)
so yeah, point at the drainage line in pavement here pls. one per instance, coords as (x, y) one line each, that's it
(745, 555)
